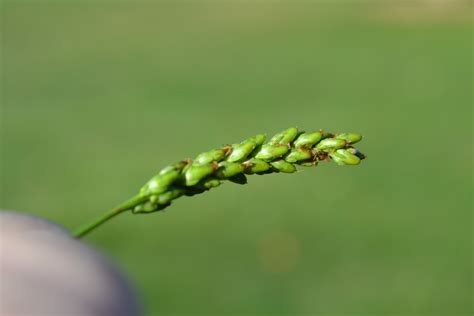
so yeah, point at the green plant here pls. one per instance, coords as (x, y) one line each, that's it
(233, 162)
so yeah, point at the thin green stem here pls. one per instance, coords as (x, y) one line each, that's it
(125, 206)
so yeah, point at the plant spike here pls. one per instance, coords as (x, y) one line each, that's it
(282, 153)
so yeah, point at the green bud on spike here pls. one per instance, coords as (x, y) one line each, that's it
(194, 174)
(241, 151)
(330, 144)
(170, 195)
(255, 166)
(350, 138)
(308, 139)
(258, 139)
(212, 183)
(153, 199)
(283, 166)
(160, 183)
(209, 156)
(344, 157)
(271, 152)
(337, 158)
(349, 158)
(167, 169)
(174, 167)
(204, 185)
(137, 209)
(146, 207)
(284, 137)
(298, 154)
(229, 169)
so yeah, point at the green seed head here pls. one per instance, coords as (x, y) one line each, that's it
(281, 154)
(308, 139)
(330, 144)
(350, 138)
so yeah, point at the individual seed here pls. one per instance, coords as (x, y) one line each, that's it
(258, 139)
(283, 166)
(241, 151)
(160, 183)
(209, 156)
(284, 137)
(146, 207)
(330, 144)
(338, 158)
(298, 154)
(255, 166)
(212, 183)
(229, 169)
(167, 197)
(196, 173)
(350, 138)
(349, 158)
(271, 151)
(308, 139)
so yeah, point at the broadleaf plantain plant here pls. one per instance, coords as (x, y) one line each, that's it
(233, 162)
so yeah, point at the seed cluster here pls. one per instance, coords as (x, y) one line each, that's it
(252, 156)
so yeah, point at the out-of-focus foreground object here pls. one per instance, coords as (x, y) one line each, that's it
(44, 271)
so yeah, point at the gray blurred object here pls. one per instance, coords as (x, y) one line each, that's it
(44, 271)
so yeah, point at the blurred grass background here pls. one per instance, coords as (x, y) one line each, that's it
(99, 95)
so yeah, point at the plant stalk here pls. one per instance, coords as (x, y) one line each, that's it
(125, 206)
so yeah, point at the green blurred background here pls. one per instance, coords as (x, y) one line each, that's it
(99, 95)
